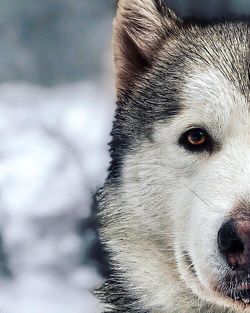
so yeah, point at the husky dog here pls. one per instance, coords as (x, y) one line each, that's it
(175, 208)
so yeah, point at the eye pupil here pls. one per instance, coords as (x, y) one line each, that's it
(197, 137)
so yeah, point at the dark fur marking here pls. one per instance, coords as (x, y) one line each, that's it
(138, 111)
(114, 293)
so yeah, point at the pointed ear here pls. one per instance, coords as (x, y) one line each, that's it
(139, 28)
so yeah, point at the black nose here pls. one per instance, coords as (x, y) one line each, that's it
(232, 246)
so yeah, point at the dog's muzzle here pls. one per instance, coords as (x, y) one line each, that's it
(234, 246)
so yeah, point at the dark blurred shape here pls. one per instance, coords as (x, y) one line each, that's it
(201, 8)
(5, 271)
(95, 252)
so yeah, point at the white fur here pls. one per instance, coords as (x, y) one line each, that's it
(175, 201)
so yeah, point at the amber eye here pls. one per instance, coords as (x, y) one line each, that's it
(196, 139)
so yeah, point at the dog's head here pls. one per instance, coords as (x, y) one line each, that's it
(181, 146)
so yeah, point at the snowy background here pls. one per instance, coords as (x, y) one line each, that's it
(56, 109)
(53, 155)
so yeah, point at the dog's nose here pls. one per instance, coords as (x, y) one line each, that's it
(234, 244)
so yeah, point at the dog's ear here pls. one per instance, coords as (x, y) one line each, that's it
(140, 27)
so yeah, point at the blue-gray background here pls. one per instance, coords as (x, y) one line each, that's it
(56, 107)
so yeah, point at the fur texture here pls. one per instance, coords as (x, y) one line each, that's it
(162, 206)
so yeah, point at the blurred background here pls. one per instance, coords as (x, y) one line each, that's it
(57, 101)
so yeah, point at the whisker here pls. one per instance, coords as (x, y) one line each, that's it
(205, 201)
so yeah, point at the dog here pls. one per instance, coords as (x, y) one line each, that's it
(174, 211)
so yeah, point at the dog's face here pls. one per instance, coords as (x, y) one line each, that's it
(183, 88)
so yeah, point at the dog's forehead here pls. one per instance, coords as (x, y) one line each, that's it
(216, 79)
(218, 59)
(211, 90)
(209, 97)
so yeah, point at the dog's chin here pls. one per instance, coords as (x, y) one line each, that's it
(219, 292)
(236, 287)
(236, 298)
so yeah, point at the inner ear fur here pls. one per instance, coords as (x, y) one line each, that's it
(139, 28)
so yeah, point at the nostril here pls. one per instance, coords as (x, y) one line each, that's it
(229, 241)
(236, 246)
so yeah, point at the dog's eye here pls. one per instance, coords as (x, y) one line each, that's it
(196, 139)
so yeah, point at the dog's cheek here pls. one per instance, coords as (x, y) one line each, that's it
(209, 207)
(204, 249)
